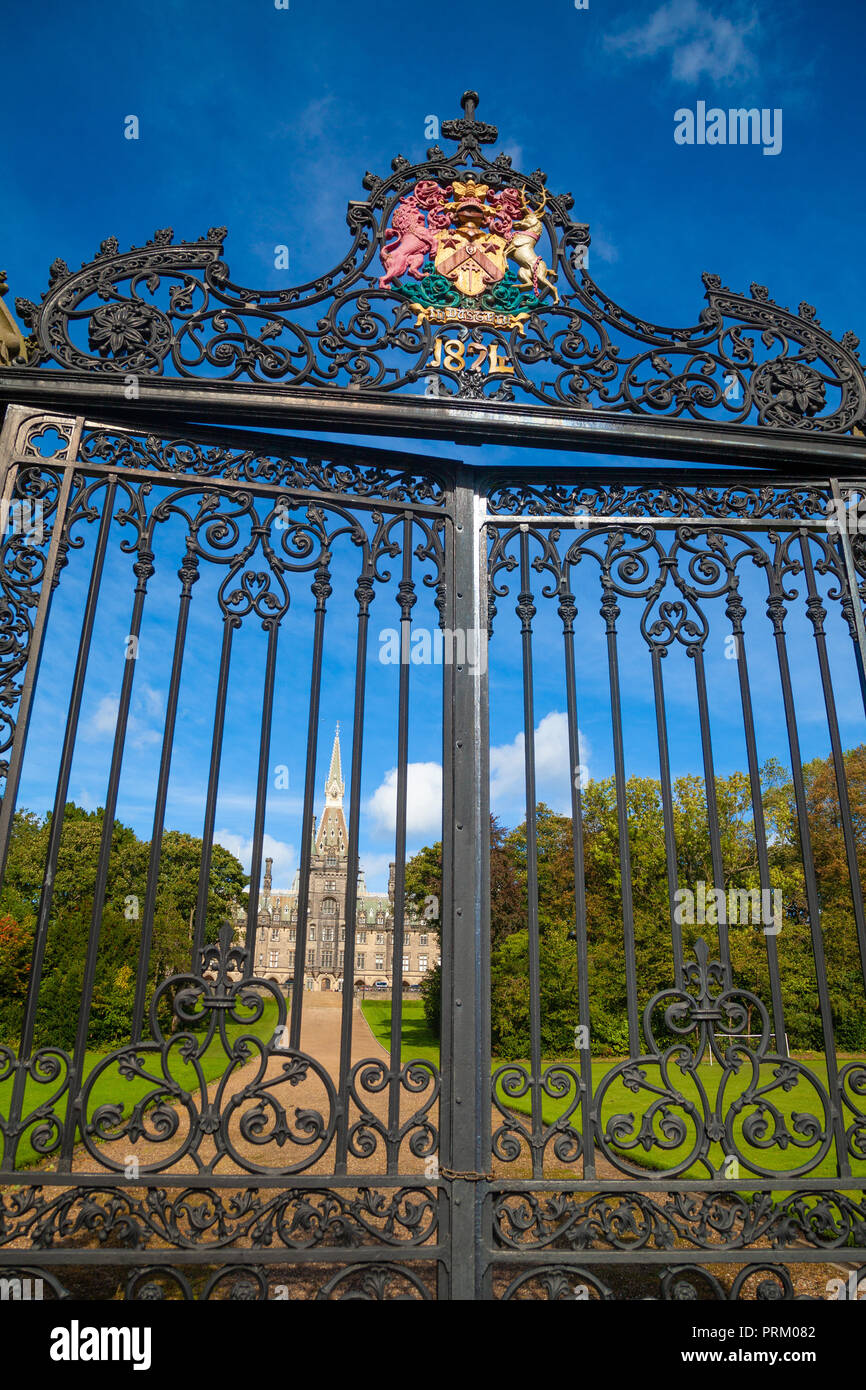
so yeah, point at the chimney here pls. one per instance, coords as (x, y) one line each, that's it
(391, 882)
(266, 885)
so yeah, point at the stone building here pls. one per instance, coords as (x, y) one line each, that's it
(276, 938)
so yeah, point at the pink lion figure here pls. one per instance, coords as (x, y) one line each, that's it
(408, 241)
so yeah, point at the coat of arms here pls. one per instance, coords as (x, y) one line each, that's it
(456, 241)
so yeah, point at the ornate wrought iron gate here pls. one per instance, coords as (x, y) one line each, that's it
(274, 1174)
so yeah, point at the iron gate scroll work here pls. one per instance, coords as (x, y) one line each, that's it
(398, 1179)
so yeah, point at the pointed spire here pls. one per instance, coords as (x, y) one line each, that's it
(335, 787)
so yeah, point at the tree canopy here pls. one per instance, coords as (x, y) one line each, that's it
(120, 926)
(652, 916)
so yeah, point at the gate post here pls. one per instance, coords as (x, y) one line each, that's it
(466, 906)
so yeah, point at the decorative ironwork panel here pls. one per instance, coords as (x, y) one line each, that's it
(215, 1154)
(466, 280)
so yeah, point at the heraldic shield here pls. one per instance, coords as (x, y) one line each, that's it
(468, 253)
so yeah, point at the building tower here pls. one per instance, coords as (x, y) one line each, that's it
(332, 839)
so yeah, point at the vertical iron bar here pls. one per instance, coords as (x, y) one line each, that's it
(610, 613)
(188, 574)
(526, 611)
(143, 569)
(230, 622)
(406, 601)
(466, 929)
(321, 589)
(657, 654)
(567, 612)
(712, 804)
(364, 594)
(776, 611)
(817, 614)
(46, 895)
(272, 627)
(858, 634)
(736, 612)
(446, 597)
(40, 622)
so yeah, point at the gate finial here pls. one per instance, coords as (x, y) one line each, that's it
(467, 129)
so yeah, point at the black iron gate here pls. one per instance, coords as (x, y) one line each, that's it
(273, 1175)
(702, 1133)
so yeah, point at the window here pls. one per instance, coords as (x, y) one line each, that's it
(380, 963)
(380, 917)
(342, 933)
(331, 861)
(330, 885)
(292, 933)
(261, 961)
(362, 938)
(311, 956)
(405, 962)
(275, 933)
(273, 959)
(359, 960)
(422, 939)
(327, 933)
(342, 959)
(291, 960)
(380, 938)
(327, 960)
(286, 912)
(422, 962)
(312, 933)
(329, 907)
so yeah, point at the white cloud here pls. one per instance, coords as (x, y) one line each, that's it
(552, 772)
(602, 248)
(141, 731)
(376, 868)
(104, 717)
(423, 801)
(516, 154)
(283, 854)
(699, 42)
(150, 701)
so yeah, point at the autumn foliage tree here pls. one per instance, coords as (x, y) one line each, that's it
(838, 889)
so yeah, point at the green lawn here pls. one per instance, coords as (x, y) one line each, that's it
(112, 1088)
(416, 1040)
(619, 1100)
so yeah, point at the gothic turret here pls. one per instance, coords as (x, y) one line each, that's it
(333, 836)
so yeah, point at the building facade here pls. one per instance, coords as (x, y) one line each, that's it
(325, 965)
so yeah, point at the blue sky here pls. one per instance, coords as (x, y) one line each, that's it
(265, 120)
